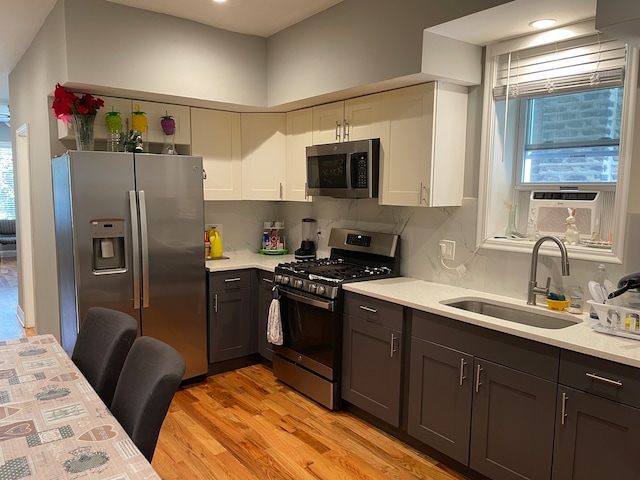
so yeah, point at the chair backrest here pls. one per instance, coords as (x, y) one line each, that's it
(103, 343)
(150, 377)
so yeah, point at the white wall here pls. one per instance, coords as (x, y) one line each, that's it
(135, 50)
(30, 82)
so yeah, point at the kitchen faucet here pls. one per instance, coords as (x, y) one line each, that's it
(534, 289)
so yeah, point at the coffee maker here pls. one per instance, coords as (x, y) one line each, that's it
(308, 246)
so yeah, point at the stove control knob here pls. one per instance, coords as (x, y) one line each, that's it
(312, 287)
(298, 283)
(285, 280)
(278, 278)
(321, 290)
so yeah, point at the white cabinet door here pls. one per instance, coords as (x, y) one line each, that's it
(299, 136)
(362, 118)
(122, 105)
(154, 111)
(422, 145)
(216, 137)
(327, 123)
(264, 150)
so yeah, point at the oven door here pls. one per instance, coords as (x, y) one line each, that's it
(311, 329)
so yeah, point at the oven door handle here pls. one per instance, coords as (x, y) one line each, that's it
(324, 304)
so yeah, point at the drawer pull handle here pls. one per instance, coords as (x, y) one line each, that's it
(462, 365)
(368, 309)
(564, 407)
(230, 280)
(608, 381)
(478, 378)
(268, 280)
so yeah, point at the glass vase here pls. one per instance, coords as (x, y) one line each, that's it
(168, 147)
(83, 127)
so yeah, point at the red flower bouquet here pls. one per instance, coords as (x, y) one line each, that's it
(66, 103)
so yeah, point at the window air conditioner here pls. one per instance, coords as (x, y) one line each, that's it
(548, 212)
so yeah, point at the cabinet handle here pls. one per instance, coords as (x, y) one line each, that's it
(423, 187)
(368, 309)
(280, 190)
(337, 130)
(268, 280)
(462, 365)
(215, 302)
(393, 345)
(231, 280)
(346, 130)
(563, 413)
(204, 174)
(608, 381)
(306, 190)
(478, 378)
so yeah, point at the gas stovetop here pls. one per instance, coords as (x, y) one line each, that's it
(356, 256)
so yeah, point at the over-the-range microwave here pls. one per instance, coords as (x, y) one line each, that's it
(344, 170)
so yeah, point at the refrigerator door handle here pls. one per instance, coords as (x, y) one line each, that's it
(133, 205)
(144, 240)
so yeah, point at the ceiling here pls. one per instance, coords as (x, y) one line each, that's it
(23, 19)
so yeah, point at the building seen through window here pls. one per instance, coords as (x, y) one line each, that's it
(7, 192)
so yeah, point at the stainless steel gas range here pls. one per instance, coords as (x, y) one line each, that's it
(311, 298)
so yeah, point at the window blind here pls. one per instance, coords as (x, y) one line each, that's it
(585, 63)
(7, 196)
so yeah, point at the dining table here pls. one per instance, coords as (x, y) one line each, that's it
(53, 424)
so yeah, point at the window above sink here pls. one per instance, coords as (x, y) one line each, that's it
(558, 120)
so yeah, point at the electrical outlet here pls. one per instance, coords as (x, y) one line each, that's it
(448, 249)
(322, 232)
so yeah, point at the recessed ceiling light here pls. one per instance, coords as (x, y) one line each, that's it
(546, 23)
(219, 1)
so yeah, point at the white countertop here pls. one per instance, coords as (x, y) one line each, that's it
(248, 260)
(426, 296)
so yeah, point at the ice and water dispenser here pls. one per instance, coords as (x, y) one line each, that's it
(108, 246)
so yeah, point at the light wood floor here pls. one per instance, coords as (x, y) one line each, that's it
(246, 425)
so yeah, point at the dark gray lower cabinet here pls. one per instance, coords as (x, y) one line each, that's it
(372, 356)
(465, 403)
(513, 423)
(265, 295)
(595, 438)
(230, 321)
(440, 395)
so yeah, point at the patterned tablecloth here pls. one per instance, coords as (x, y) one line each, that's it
(53, 425)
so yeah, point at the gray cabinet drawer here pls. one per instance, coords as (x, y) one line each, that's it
(229, 280)
(604, 378)
(373, 310)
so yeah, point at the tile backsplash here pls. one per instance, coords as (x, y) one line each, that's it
(421, 230)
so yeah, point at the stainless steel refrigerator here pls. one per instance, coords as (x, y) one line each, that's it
(130, 236)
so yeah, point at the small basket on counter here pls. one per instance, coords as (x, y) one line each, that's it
(617, 320)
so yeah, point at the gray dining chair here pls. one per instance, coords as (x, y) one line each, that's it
(150, 377)
(103, 343)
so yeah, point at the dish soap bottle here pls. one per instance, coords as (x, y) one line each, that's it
(216, 243)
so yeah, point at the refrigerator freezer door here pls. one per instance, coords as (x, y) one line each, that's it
(172, 220)
(90, 186)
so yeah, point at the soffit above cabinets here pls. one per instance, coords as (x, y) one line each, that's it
(512, 19)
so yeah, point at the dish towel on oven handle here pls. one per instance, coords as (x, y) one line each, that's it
(274, 323)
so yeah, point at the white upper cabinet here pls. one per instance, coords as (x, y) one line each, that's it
(122, 105)
(216, 137)
(264, 151)
(154, 111)
(422, 151)
(353, 119)
(299, 137)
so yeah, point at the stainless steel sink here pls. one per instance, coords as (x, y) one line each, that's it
(534, 317)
